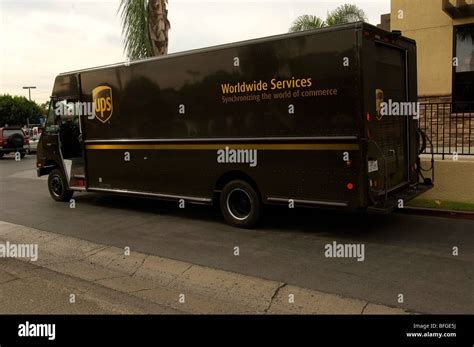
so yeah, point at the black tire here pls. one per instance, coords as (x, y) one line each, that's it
(22, 154)
(15, 141)
(57, 186)
(240, 204)
(2, 154)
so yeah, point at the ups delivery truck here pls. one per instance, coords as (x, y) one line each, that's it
(300, 119)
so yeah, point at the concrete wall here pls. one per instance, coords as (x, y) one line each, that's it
(454, 180)
(432, 28)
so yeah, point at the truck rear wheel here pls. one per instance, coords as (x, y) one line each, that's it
(240, 204)
(57, 185)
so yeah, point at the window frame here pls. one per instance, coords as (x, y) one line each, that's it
(468, 106)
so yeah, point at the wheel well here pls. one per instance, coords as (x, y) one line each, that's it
(49, 166)
(235, 175)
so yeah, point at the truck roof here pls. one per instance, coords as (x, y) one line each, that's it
(355, 25)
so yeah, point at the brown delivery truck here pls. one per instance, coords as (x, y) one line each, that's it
(324, 118)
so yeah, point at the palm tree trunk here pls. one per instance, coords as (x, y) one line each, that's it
(158, 25)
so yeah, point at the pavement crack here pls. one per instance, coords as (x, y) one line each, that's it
(178, 276)
(190, 266)
(275, 294)
(143, 289)
(11, 280)
(363, 308)
(139, 266)
(96, 250)
(109, 278)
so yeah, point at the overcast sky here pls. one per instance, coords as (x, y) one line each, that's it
(40, 39)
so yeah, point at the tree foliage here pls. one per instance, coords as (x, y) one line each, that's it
(16, 110)
(306, 22)
(343, 14)
(346, 13)
(135, 31)
(145, 27)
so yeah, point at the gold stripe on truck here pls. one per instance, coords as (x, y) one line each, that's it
(213, 146)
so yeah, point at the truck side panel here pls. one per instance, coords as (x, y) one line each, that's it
(170, 115)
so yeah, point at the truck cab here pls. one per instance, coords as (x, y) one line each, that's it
(60, 150)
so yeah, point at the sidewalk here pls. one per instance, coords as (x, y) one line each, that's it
(453, 180)
(105, 280)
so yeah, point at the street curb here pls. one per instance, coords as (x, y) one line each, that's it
(437, 212)
(163, 281)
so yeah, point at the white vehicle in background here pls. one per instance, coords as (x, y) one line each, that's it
(35, 134)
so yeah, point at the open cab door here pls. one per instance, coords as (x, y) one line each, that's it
(61, 142)
(71, 144)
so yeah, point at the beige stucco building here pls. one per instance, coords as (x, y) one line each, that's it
(444, 32)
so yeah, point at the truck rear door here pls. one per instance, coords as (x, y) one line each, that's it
(386, 103)
(390, 130)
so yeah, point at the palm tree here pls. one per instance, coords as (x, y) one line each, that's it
(306, 22)
(345, 14)
(342, 14)
(145, 27)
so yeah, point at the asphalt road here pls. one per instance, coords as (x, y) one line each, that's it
(404, 254)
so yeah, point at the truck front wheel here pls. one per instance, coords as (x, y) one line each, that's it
(57, 185)
(240, 204)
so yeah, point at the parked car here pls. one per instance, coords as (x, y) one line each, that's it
(13, 139)
(33, 144)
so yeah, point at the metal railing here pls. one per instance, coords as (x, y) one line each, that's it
(450, 126)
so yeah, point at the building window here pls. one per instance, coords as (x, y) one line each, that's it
(463, 71)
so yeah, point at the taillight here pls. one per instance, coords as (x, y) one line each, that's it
(26, 141)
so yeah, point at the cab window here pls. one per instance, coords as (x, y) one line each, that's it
(51, 126)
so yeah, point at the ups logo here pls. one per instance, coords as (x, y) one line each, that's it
(103, 106)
